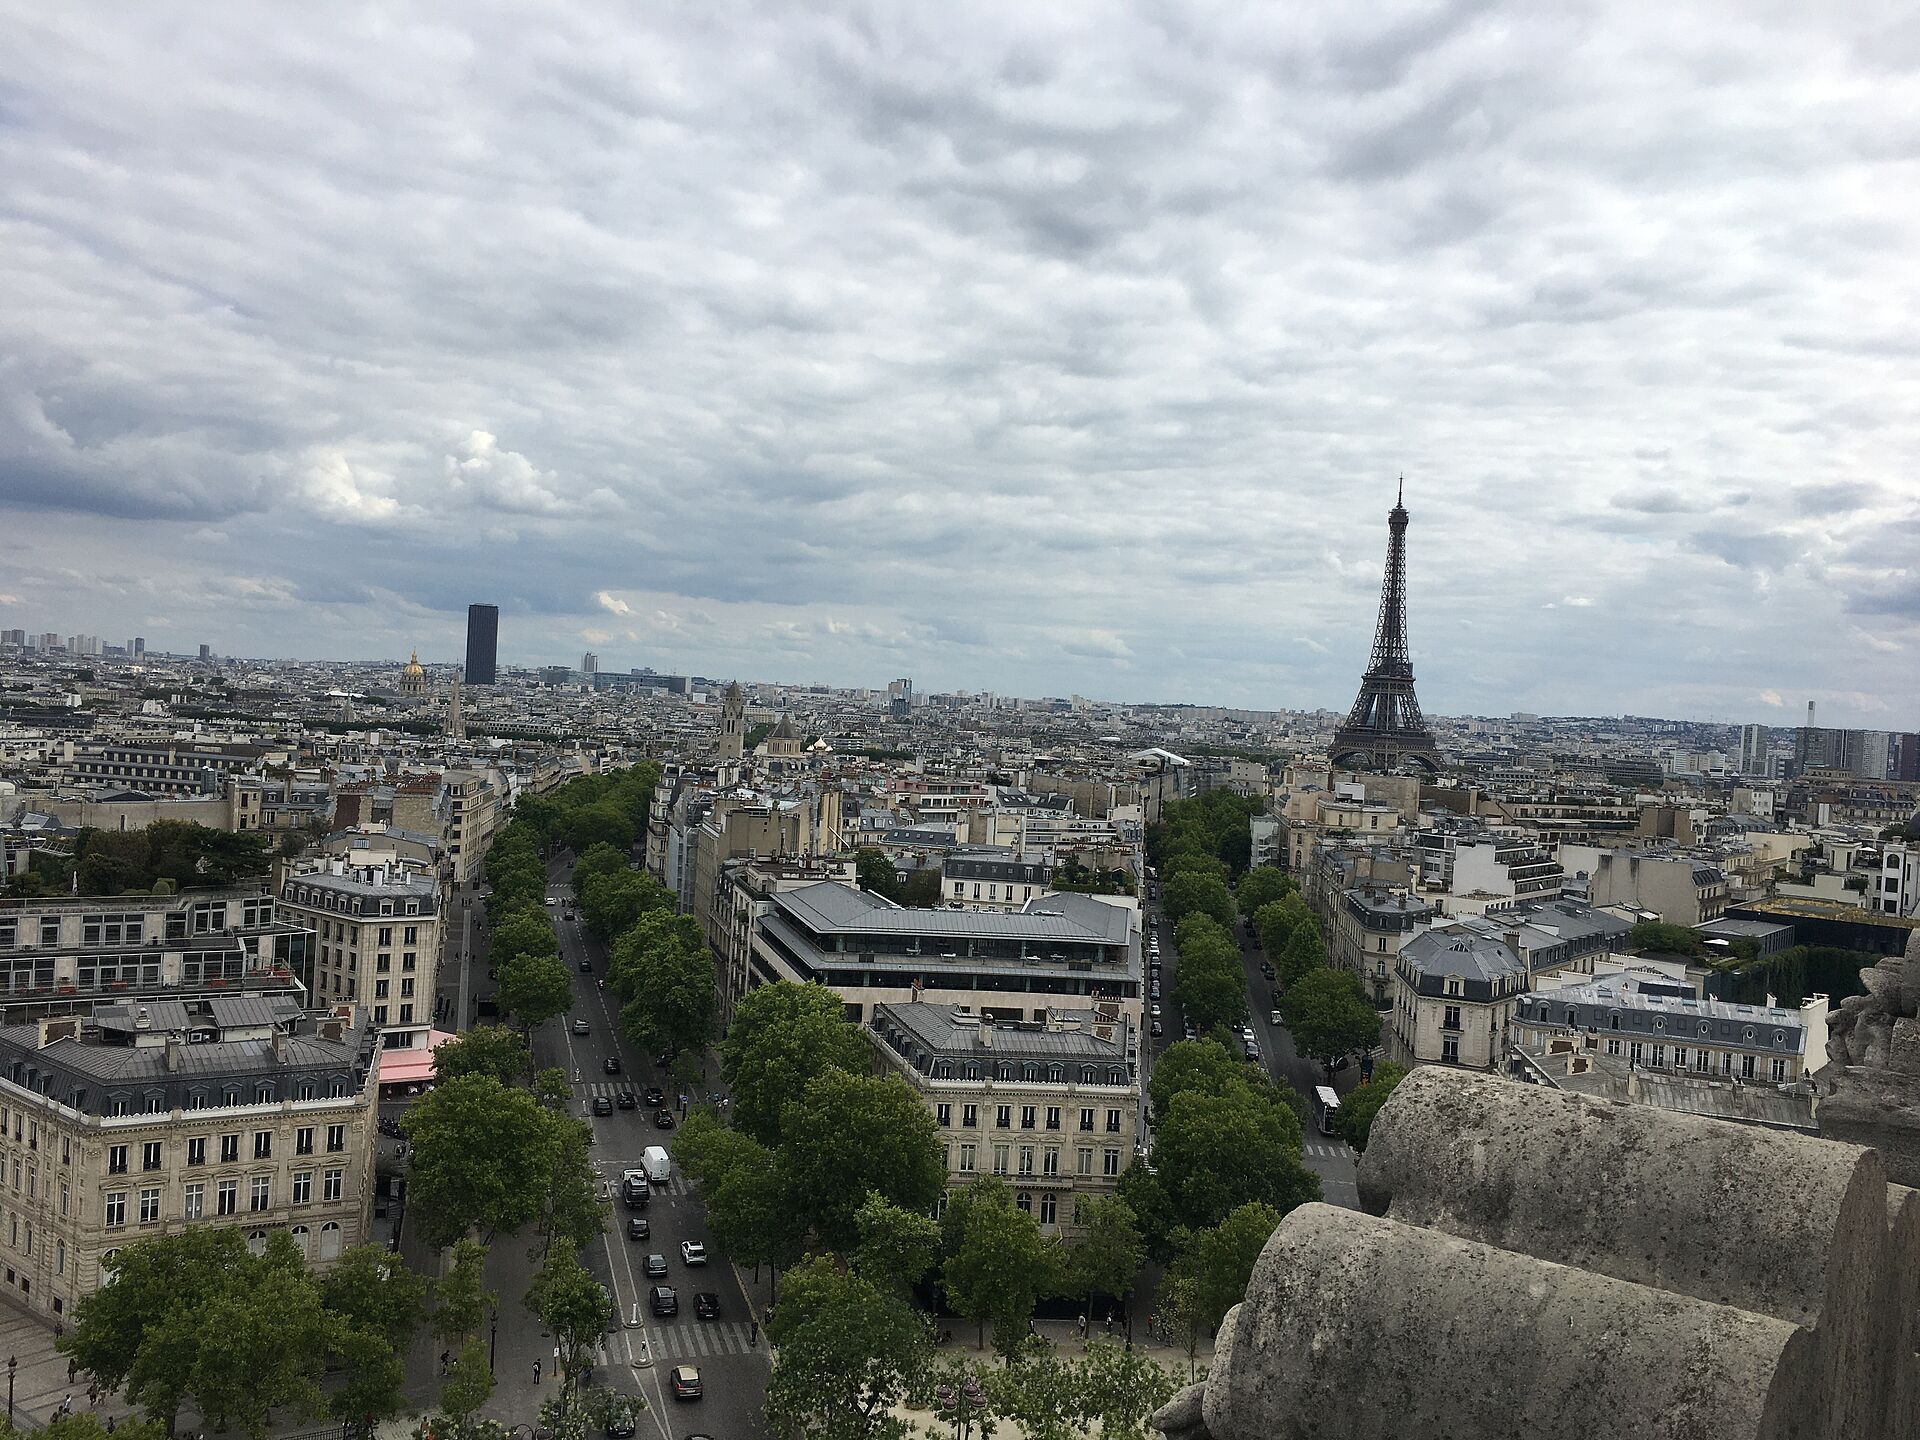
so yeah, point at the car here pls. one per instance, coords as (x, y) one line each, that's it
(580, 1028)
(626, 1100)
(656, 1265)
(663, 1119)
(638, 1228)
(693, 1252)
(1266, 969)
(611, 1065)
(551, 901)
(662, 1301)
(655, 1096)
(1157, 1028)
(706, 1305)
(686, 1382)
(1188, 1031)
(1154, 1009)
(602, 1105)
(1155, 992)
(621, 1421)
(586, 966)
(566, 914)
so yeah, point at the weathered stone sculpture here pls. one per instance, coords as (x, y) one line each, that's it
(1871, 1085)
(1538, 1263)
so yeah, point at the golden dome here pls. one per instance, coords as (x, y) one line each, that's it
(413, 666)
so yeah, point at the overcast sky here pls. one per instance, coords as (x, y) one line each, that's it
(1032, 348)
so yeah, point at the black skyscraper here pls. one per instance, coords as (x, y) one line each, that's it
(483, 643)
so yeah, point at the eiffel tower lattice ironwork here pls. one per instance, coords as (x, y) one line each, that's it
(1385, 728)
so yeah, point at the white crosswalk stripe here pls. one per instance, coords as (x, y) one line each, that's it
(687, 1338)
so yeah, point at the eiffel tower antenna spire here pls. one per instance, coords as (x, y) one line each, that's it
(1385, 729)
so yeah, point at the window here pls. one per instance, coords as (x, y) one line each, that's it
(256, 1242)
(116, 1161)
(1083, 1160)
(336, 1139)
(1779, 1069)
(1679, 1057)
(1113, 1122)
(1086, 1119)
(116, 1209)
(150, 1155)
(196, 1200)
(260, 1193)
(1049, 1210)
(303, 1187)
(65, 1197)
(303, 1140)
(966, 1158)
(150, 1206)
(1025, 1202)
(969, 1116)
(1050, 1160)
(1027, 1115)
(1633, 1051)
(1450, 1050)
(1003, 1117)
(943, 1115)
(263, 1144)
(302, 1238)
(1659, 1055)
(333, 1184)
(197, 1151)
(230, 1149)
(1451, 1019)
(1110, 1163)
(1053, 1117)
(228, 1197)
(1746, 1067)
(1002, 1154)
(1026, 1159)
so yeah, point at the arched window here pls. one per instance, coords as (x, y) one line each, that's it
(1573, 1016)
(1613, 1020)
(256, 1242)
(1705, 1028)
(107, 1272)
(1659, 1022)
(1779, 1037)
(301, 1239)
(330, 1241)
(1747, 1034)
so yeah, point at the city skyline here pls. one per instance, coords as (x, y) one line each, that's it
(1060, 354)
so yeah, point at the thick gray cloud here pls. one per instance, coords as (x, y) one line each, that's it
(1039, 349)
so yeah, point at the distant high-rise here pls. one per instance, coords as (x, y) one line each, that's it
(731, 744)
(1753, 749)
(1385, 729)
(483, 643)
(206, 652)
(589, 664)
(139, 644)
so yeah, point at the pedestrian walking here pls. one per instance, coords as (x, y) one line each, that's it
(1080, 1324)
(536, 1372)
(446, 1357)
(753, 1333)
(109, 1424)
(72, 1367)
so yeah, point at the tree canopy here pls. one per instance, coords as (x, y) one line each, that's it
(1329, 1015)
(1218, 1261)
(1262, 885)
(1353, 1121)
(846, 1136)
(483, 1158)
(484, 1050)
(998, 1264)
(848, 1351)
(781, 1037)
(663, 973)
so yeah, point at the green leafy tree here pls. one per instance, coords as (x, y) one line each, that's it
(1215, 1152)
(1211, 988)
(1192, 890)
(1353, 1122)
(1203, 1065)
(1330, 1016)
(82, 1426)
(573, 1307)
(527, 933)
(600, 860)
(534, 989)
(1122, 1389)
(1219, 1260)
(1178, 1306)
(750, 1210)
(469, 1381)
(897, 1246)
(613, 903)
(1304, 954)
(1260, 886)
(263, 1341)
(607, 823)
(922, 890)
(572, 1214)
(1273, 923)
(483, 1158)
(484, 1050)
(998, 1265)
(461, 1300)
(1039, 1392)
(781, 1037)
(1106, 1257)
(847, 1135)
(370, 1288)
(848, 1353)
(663, 970)
(1658, 936)
(875, 871)
(372, 1374)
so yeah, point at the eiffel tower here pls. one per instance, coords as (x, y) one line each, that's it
(1385, 729)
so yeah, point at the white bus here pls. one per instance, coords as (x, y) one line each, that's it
(1326, 1105)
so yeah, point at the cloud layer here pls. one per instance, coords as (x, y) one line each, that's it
(1041, 349)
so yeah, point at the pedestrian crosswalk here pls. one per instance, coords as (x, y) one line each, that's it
(685, 1338)
(612, 1089)
(1323, 1151)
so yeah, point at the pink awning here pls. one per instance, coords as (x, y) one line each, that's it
(412, 1066)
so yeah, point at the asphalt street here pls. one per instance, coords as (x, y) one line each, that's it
(638, 1356)
(1330, 1158)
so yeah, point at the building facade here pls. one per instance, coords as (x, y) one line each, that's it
(1050, 1108)
(1454, 1000)
(152, 1118)
(483, 644)
(377, 939)
(991, 880)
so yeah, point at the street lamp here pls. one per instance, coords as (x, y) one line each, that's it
(13, 1363)
(493, 1339)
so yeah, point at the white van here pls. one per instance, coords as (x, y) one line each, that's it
(1326, 1105)
(655, 1161)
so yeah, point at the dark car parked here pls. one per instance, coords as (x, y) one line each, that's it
(663, 1119)
(662, 1301)
(655, 1095)
(602, 1105)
